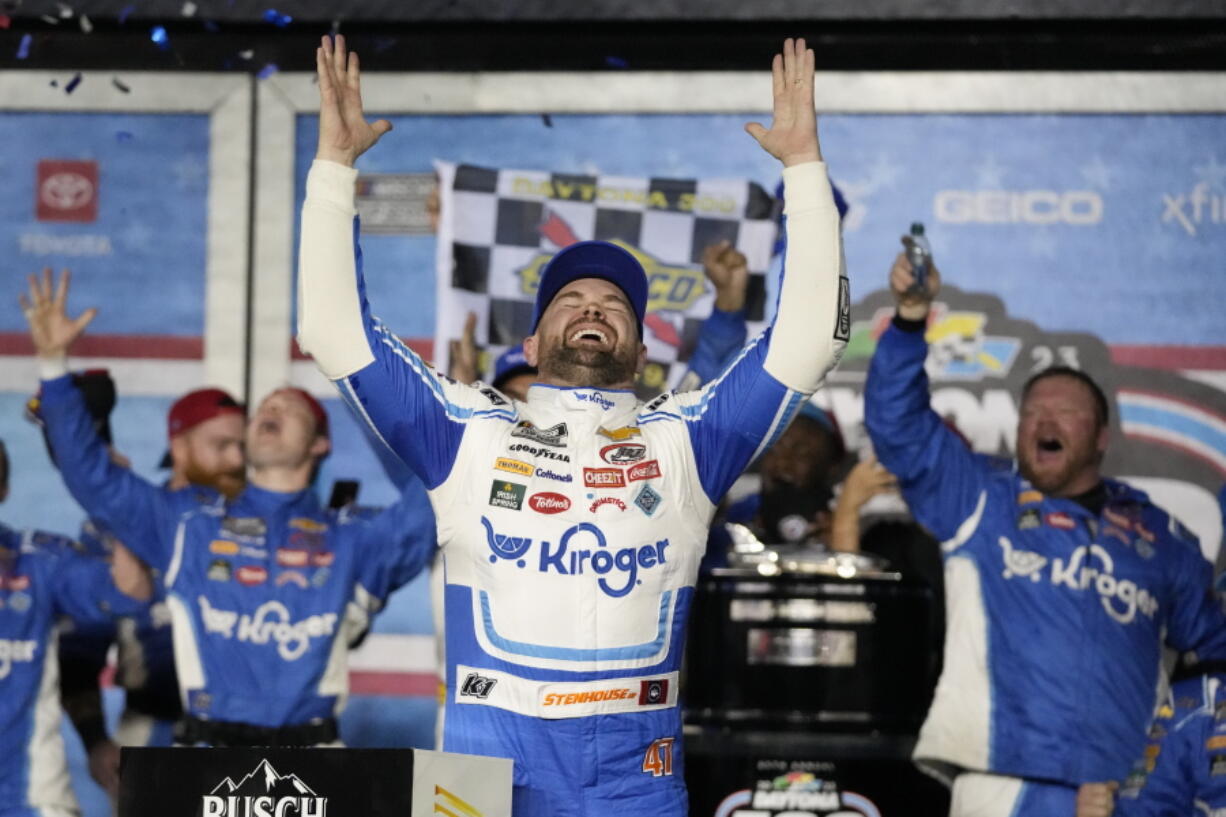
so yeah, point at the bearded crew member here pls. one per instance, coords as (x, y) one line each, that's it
(1060, 584)
(572, 523)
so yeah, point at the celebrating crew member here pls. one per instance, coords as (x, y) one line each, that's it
(43, 578)
(1060, 584)
(572, 523)
(205, 436)
(265, 590)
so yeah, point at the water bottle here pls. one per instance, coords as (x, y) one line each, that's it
(919, 253)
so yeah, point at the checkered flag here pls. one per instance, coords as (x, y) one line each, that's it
(498, 229)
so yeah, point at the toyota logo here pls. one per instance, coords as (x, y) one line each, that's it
(66, 191)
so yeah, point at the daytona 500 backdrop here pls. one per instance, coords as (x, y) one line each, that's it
(1079, 220)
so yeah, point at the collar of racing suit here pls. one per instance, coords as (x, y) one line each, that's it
(612, 408)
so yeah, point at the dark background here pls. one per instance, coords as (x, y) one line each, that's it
(501, 35)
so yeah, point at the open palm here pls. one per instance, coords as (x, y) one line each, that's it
(792, 137)
(344, 133)
(45, 308)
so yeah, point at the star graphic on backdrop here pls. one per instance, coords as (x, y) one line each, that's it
(189, 172)
(1097, 173)
(884, 172)
(1043, 245)
(990, 174)
(1211, 173)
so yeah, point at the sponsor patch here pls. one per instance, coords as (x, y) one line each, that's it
(548, 502)
(1217, 765)
(292, 557)
(513, 466)
(1027, 497)
(648, 500)
(292, 577)
(653, 691)
(1029, 519)
(1061, 520)
(251, 575)
(223, 547)
(604, 478)
(536, 451)
(620, 435)
(507, 495)
(477, 686)
(219, 570)
(18, 583)
(321, 577)
(323, 558)
(249, 526)
(623, 453)
(842, 328)
(545, 473)
(644, 470)
(554, 435)
(607, 500)
(19, 602)
(307, 524)
(1216, 742)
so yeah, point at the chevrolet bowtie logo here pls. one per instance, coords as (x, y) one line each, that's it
(447, 803)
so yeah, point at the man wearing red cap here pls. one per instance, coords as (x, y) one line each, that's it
(573, 522)
(266, 590)
(205, 430)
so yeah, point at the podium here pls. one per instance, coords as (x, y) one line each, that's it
(333, 782)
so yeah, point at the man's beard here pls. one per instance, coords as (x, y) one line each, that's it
(228, 483)
(586, 367)
(1053, 483)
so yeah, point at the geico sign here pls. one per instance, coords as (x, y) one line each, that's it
(1076, 207)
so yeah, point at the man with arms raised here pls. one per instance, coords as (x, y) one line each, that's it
(572, 523)
(266, 590)
(1060, 584)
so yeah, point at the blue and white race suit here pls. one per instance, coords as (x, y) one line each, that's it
(42, 580)
(1056, 615)
(572, 524)
(1183, 770)
(265, 591)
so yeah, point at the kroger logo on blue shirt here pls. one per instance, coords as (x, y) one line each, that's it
(618, 569)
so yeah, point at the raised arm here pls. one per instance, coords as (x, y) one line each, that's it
(940, 477)
(408, 406)
(398, 543)
(137, 511)
(739, 415)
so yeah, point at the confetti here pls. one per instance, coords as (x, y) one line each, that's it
(277, 18)
(159, 36)
(616, 62)
(247, 54)
(66, 11)
(189, 9)
(50, 19)
(73, 83)
(547, 120)
(87, 25)
(124, 13)
(120, 85)
(267, 71)
(23, 48)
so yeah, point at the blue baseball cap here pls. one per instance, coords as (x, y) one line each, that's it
(593, 259)
(509, 364)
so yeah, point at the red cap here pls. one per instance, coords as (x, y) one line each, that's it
(196, 407)
(316, 408)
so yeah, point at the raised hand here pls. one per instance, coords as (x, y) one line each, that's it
(51, 330)
(464, 354)
(913, 304)
(792, 138)
(344, 133)
(727, 269)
